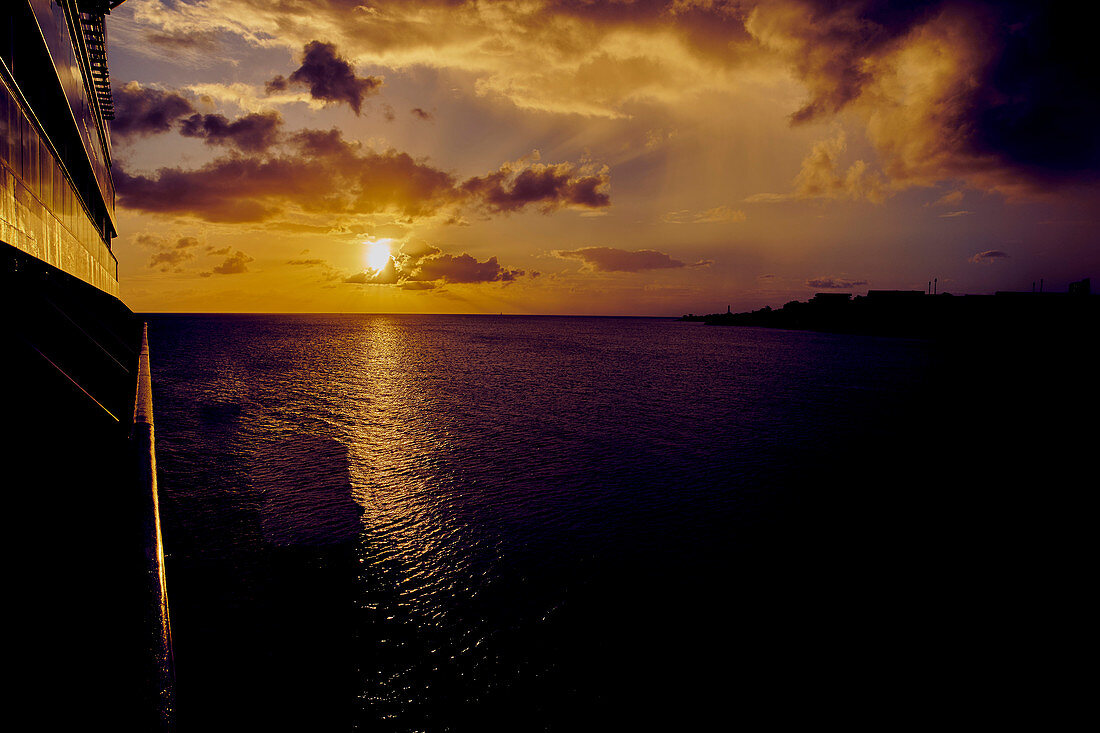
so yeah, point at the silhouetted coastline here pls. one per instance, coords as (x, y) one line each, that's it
(914, 313)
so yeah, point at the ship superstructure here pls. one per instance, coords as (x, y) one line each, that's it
(56, 193)
(92, 641)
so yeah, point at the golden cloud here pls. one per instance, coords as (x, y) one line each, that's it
(317, 172)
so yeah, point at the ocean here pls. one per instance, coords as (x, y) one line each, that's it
(422, 523)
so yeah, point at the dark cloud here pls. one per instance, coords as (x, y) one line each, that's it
(1038, 104)
(1011, 101)
(318, 172)
(253, 133)
(323, 144)
(610, 259)
(226, 190)
(168, 255)
(990, 255)
(837, 38)
(141, 111)
(168, 259)
(329, 77)
(463, 269)
(307, 262)
(830, 283)
(234, 264)
(549, 187)
(422, 114)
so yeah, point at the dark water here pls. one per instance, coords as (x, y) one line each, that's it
(506, 523)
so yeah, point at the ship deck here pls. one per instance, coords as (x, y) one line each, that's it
(82, 530)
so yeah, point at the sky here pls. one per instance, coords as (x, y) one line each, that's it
(616, 158)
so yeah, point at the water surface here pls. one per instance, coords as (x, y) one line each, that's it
(518, 523)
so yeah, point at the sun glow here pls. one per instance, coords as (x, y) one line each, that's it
(378, 254)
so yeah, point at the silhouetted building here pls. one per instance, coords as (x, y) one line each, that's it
(881, 294)
(831, 299)
(1081, 287)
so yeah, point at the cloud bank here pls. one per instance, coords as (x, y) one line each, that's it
(998, 94)
(318, 172)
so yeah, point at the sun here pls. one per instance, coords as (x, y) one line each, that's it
(378, 254)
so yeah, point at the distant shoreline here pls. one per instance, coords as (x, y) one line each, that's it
(914, 313)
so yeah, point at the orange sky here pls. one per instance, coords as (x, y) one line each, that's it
(647, 158)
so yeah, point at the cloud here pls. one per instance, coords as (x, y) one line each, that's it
(955, 214)
(199, 41)
(318, 172)
(167, 254)
(422, 114)
(823, 177)
(997, 94)
(329, 77)
(611, 259)
(249, 97)
(952, 198)
(419, 266)
(988, 257)
(833, 283)
(234, 264)
(549, 187)
(168, 259)
(142, 111)
(718, 214)
(463, 269)
(565, 57)
(253, 133)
